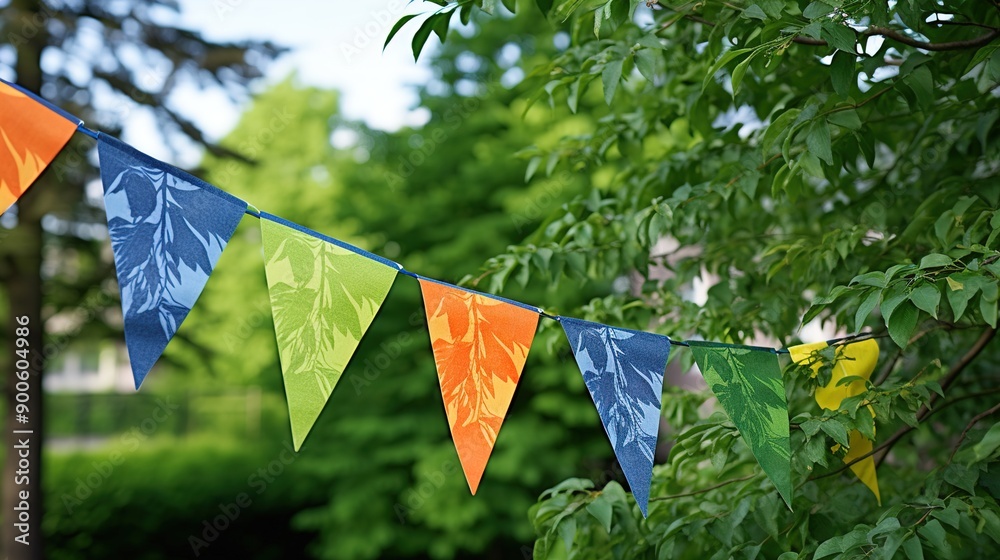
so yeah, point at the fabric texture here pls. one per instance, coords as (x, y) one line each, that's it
(31, 135)
(857, 359)
(623, 370)
(748, 384)
(167, 231)
(323, 298)
(480, 345)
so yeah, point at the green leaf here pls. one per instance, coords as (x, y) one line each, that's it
(829, 547)
(934, 260)
(724, 59)
(843, 76)
(989, 311)
(840, 36)
(816, 10)
(958, 296)
(422, 34)
(937, 536)
(740, 71)
(875, 278)
(395, 28)
(903, 323)
(927, 298)
(441, 23)
(865, 424)
(891, 299)
(921, 82)
(865, 309)
(913, 549)
(754, 12)
(837, 431)
(987, 446)
(601, 509)
(609, 77)
(818, 141)
(511, 5)
(777, 127)
(846, 119)
(533, 164)
(646, 61)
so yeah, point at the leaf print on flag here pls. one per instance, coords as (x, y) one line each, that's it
(857, 359)
(167, 229)
(31, 136)
(480, 345)
(323, 298)
(748, 384)
(623, 370)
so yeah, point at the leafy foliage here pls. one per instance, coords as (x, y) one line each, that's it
(810, 163)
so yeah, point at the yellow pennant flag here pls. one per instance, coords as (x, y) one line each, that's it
(857, 359)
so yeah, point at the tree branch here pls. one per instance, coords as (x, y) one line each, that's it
(703, 490)
(900, 38)
(924, 411)
(975, 420)
(953, 373)
(887, 33)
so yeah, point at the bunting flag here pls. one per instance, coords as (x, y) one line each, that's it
(480, 345)
(748, 384)
(167, 231)
(857, 360)
(323, 298)
(623, 370)
(32, 134)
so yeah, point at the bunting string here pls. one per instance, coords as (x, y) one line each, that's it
(169, 228)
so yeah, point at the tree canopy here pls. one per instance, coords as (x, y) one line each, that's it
(822, 160)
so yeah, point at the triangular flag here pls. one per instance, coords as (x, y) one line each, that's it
(623, 370)
(32, 134)
(856, 359)
(167, 231)
(323, 298)
(480, 345)
(747, 382)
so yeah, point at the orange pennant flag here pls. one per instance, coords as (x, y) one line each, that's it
(480, 345)
(31, 135)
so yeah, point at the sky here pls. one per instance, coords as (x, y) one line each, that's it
(334, 44)
(331, 44)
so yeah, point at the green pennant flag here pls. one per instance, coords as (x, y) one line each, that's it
(748, 384)
(323, 298)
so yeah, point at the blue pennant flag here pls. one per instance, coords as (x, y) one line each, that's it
(623, 370)
(167, 230)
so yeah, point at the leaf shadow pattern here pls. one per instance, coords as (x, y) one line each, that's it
(623, 370)
(480, 345)
(31, 136)
(167, 229)
(323, 299)
(748, 384)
